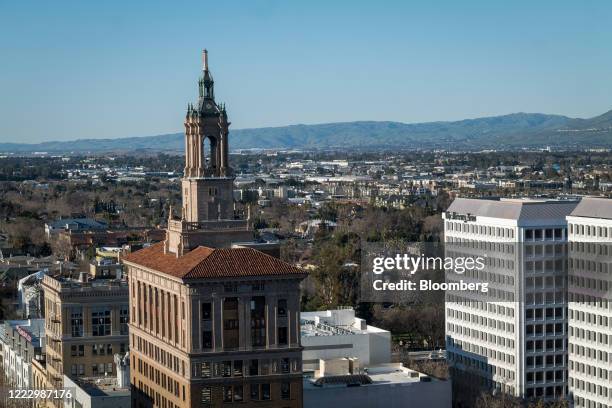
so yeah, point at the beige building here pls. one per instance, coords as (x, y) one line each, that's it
(214, 326)
(86, 323)
(214, 321)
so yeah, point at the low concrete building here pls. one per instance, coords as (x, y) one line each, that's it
(388, 385)
(331, 334)
(97, 392)
(101, 392)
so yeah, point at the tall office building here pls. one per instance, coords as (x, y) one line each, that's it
(590, 303)
(512, 337)
(212, 323)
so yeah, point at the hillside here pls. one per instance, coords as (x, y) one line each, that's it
(508, 131)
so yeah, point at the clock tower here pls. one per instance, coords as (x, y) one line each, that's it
(207, 214)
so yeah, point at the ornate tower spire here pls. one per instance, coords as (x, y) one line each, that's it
(206, 83)
(205, 59)
(207, 213)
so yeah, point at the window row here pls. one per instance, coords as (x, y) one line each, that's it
(590, 230)
(255, 392)
(78, 350)
(241, 368)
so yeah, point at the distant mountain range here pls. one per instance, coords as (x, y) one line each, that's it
(514, 131)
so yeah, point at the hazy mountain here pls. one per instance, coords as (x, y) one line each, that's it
(508, 131)
(596, 131)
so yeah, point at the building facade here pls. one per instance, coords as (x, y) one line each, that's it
(22, 342)
(207, 214)
(330, 334)
(213, 321)
(590, 303)
(86, 323)
(513, 337)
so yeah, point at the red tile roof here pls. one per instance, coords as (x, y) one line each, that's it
(204, 262)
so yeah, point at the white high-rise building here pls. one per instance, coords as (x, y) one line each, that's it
(514, 336)
(590, 303)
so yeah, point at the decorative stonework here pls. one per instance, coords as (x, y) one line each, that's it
(207, 214)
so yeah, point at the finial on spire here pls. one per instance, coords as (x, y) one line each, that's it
(205, 59)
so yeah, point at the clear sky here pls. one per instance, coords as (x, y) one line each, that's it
(91, 69)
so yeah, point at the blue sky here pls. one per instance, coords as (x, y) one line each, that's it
(88, 69)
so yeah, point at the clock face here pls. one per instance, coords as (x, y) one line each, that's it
(208, 106)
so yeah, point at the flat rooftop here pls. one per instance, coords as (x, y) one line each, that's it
(337, 322)
(524, 210)
(100, 386)
(385, 374)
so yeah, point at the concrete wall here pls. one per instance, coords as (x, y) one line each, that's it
(370, 348)
(435, 394)
(120, 400)
(339, 346)
(380, 346)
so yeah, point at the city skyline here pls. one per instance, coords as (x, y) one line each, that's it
(109, 71)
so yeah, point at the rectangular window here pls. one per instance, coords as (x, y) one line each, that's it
(124, 317)
(255, 395)
(206, 311)
(265, 392)
(237, 368)
(238, 396)
(258, 321)
(226, 370)
(207, 340)
(206, 395)
(284, 365)
(205, 370)
(101, 322)
(254, 367)
(282, 307)
(230, 323)
(285, 390)
(76, 322)
(228, 394)
(282, 336)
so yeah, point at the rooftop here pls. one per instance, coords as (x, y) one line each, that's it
(101, 386)
(594, 207)
(61, 283)
(32, 330)
(204, 262)
(336, 322)
(514, 209)
(81, 223)
(384, 374)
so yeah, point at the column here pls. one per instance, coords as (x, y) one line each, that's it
(247, 323)
(271, 303)
(201, 153)
(187, 132)
(242, 323)
(217, 323)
